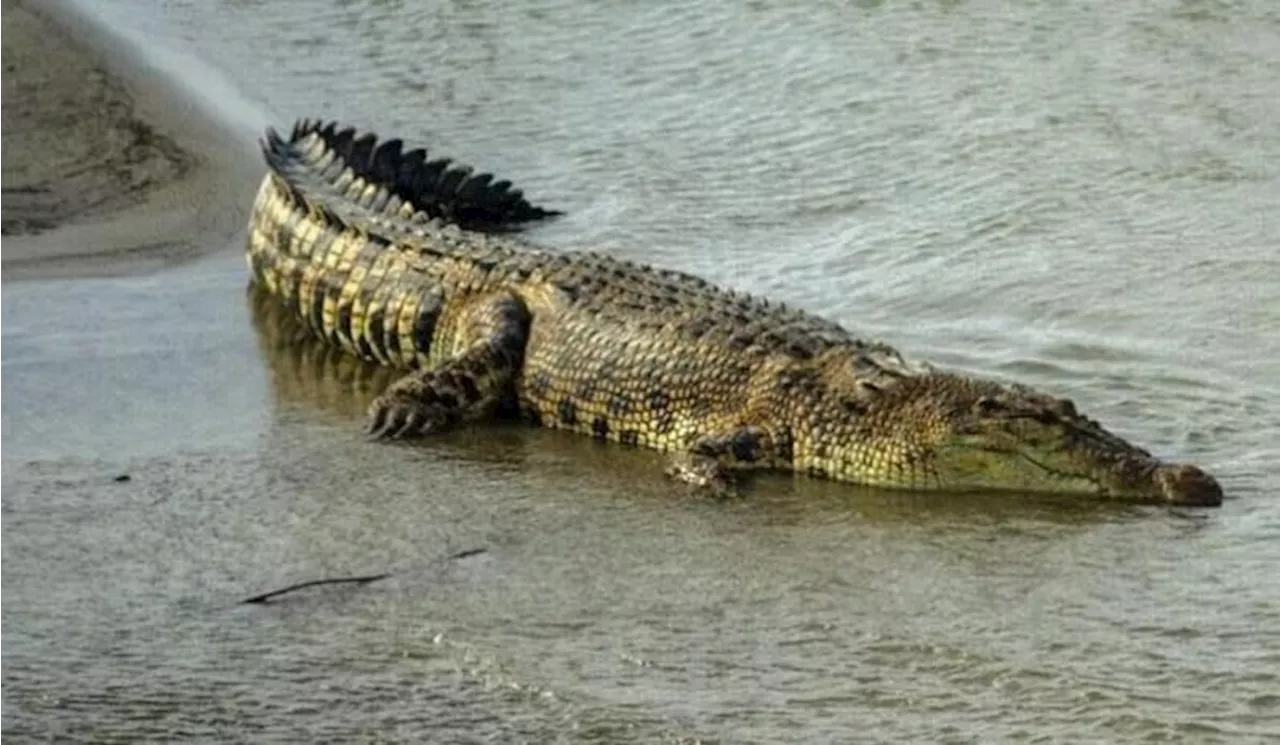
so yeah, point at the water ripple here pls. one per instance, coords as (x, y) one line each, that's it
(1081, 196)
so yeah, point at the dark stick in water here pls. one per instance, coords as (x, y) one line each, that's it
(347, 580)
(311, 583)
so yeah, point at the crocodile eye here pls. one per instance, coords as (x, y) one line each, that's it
(1066, 408)
(986, 406)
(1048, 416)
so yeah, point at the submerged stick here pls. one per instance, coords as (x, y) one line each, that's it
(469, 552)
(264, 597)
(364, 580)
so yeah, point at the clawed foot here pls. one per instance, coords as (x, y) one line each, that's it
(707, 475)
(393, 417)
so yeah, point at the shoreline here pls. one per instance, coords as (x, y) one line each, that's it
(110, 167)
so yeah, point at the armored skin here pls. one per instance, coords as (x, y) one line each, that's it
(413, 264)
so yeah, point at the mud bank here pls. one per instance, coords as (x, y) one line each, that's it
(107, 167)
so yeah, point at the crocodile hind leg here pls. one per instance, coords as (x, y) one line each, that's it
(710, 461)
(488, 350)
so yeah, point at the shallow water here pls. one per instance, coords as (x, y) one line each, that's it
(1086, 199)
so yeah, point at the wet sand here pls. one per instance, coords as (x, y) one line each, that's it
(106, 169)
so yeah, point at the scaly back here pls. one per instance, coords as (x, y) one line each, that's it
(337, 188)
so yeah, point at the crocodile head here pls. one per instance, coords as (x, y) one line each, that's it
(953, 432)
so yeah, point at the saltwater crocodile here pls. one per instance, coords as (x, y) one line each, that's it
(412, 263)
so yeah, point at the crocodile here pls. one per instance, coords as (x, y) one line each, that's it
(419, 265)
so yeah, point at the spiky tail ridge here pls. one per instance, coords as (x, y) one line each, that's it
(386, 180)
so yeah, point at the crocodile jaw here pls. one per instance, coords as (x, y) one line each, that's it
(948, 432)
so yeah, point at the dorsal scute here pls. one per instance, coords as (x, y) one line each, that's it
(439, 187)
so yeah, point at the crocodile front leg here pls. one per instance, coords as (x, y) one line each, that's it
(489, 348)
(710, 461)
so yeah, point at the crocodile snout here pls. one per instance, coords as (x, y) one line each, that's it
(1187, 485)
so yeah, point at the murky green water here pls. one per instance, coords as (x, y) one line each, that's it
(1085, 198)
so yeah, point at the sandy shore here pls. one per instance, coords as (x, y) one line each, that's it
(104, 170)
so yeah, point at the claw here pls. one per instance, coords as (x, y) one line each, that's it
(704, 474)
(377, 421)
(395, 423)
(395, 420)
(411, 426)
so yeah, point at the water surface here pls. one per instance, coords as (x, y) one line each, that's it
(1086, 199)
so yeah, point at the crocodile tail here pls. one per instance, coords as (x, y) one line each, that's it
(384, 178)
(350, 286)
